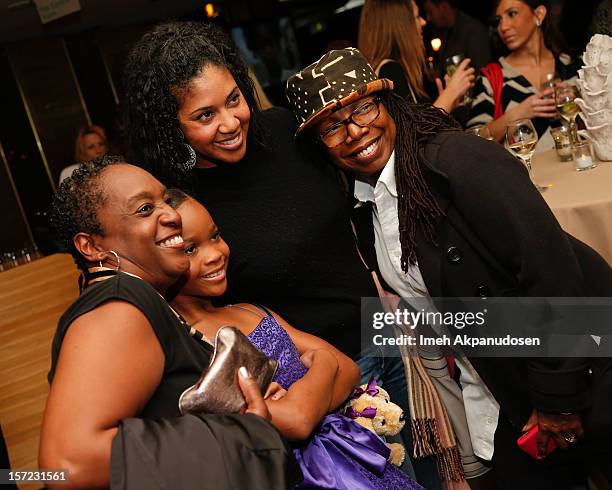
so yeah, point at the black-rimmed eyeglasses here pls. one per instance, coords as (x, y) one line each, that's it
(362, 116)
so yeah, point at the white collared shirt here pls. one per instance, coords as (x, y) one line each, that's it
(480, 406)
(386, 234)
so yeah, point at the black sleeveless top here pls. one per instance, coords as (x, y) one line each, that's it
(185, 357)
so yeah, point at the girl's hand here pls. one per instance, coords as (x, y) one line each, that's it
(275, 391)
(319, 355)
(307, 401)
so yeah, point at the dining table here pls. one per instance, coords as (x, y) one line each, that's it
(581, 201)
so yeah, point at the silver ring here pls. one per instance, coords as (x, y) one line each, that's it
(570, 437)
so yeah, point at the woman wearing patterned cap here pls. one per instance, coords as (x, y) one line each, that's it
(193, 121)
(438, 223)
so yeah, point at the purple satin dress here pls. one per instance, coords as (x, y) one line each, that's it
(340, 454)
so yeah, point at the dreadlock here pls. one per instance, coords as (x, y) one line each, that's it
(76, 203)
(415, 123)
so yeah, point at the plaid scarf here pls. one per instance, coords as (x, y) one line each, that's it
(432, 432)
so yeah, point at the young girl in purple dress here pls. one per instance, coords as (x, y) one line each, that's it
(333, 450)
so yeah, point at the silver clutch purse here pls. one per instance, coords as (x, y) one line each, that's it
(217, 390)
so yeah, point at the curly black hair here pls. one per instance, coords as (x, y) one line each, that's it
(76, 203)
(159, 67)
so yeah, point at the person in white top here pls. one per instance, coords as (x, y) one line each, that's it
(452, 215)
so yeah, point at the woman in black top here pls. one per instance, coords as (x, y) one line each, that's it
(192, 120)
(119, 351)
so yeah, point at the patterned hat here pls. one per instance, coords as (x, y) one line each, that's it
(337, 79)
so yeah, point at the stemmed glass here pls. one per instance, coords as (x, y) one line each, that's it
(452, 64)
(565, 100)
(521, 140)
(480, 130)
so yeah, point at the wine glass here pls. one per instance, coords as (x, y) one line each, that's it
(565, 100)
(480, 130)
(550, 81)
(452, 64)
(521, 140)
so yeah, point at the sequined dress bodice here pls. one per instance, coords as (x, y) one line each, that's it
(273, 340)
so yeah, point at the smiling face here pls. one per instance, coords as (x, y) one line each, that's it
(517, 22)
(366, 150)
(208, 253)
(214, 117)
(140, 225)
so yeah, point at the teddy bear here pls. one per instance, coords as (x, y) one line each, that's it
(371, 407)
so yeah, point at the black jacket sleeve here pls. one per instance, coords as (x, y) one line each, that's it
(207, 451)
(493, 193)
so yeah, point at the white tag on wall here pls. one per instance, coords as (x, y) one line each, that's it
(49, 10)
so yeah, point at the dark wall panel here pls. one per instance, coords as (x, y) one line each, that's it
(26, 167)
(16, 234)
(44, 73)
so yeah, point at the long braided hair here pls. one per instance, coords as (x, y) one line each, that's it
(415, 123)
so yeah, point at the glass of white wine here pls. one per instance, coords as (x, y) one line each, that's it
(521, 140)
(565, 100)
(452, 64)
(480, 130)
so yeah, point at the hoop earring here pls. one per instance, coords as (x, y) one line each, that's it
(117, 259)
(191, 161)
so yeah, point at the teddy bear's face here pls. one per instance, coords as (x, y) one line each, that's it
(389, 417)
(392, 418)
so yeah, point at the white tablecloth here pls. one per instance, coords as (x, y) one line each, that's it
(581, 201)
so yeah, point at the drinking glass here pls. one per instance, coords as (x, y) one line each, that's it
(563, 143)
(9, 260)
(550, 81)
(25, 255)
(452, 63)
(583, 156)
(480, 130)
(521, 140)
(565, 100)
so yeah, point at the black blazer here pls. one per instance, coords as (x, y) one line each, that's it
(498, 237)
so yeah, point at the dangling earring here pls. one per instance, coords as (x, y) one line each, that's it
(117, 260)
(96, 274)
(191, 161)
(538, 22)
